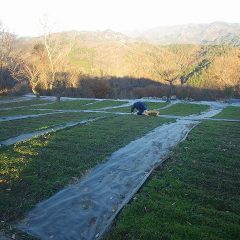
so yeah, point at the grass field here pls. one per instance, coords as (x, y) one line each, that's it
(120, 109)
(21, 111)
(195, 195)
(23, 103)
(65, 105)
(3, 97)
(184, 109)
(81, 104)
(36, 169)
(151, 106)
(16, 127)
(229, 113)
(105, 103)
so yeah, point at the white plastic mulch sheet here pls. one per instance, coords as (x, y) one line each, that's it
(85, 210)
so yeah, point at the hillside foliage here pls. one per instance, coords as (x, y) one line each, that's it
(103, 64)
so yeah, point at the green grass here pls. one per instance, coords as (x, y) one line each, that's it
(23, 103)
(73, 104)
(3, 97)
(184, 109)
(120, 109)
(229, 113)
(155, 105)
(36, 169)
(21, 111)
(105, 103)
(81, 105)
(151, 106)
(195, 195)
(16, 127)
(6, 97)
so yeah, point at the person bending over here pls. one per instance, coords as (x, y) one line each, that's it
(140, 106)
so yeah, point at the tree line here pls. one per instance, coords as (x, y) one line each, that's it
(54, 65)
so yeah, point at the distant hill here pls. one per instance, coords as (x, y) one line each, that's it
(216, 33)
(212, 33)
(109, 53)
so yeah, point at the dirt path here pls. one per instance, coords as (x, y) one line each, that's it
(28, 136)
(87, 209)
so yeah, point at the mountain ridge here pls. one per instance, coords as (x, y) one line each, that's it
(205, 33)
(215, 33)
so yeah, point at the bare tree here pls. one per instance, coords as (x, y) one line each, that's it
(7, 40)
(27, 70)
(55, 50)
(170, 65)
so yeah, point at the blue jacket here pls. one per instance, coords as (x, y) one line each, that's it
(140, 106)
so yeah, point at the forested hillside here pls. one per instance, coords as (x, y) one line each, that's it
(110, 64)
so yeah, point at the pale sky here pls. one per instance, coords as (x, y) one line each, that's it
(23, 16)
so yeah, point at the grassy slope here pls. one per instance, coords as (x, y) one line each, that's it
(230, 113)
(184, 109)
(195, 195)
(52, 160)
(16, 127)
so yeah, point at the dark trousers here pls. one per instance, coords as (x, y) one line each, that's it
(140, 112)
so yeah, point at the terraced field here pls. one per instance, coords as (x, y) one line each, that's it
(193, 195)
